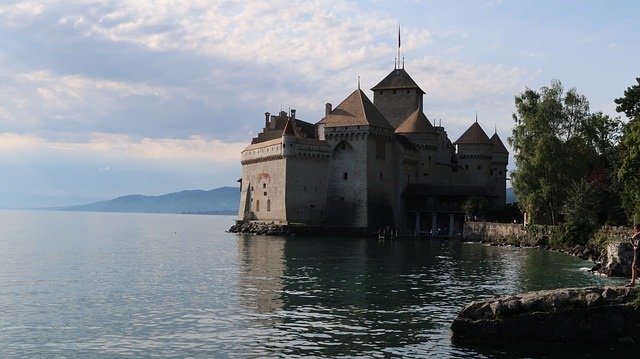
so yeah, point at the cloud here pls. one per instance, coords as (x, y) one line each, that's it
(105, 145)
(492, 3)
(21, 12)
(170, 89)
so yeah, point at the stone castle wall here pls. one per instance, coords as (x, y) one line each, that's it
(497, 232)
(306, 189)
(263, 191)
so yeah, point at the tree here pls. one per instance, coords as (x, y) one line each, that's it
(557, 143)
(475, 207)
(630, 102)
(629, 162)
(538, 137)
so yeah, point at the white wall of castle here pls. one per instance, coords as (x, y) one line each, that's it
(284, 181)
(263, 184)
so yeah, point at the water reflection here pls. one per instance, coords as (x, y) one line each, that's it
(345, 296)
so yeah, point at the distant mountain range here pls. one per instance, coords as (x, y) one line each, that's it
(223, 200)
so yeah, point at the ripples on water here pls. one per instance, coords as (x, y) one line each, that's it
(135, 285)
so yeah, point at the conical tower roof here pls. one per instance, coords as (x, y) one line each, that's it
(498, 146)
(355, 110)
(397, 79)
(417, 122)
(473, 136)
(288, 129)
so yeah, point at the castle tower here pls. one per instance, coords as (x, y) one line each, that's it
(475, 153)
(499, 164)
(288, 139)
(420, 132)
(284, 178)
(397, 96)
(361, 167)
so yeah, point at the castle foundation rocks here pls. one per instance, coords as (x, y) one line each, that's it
(275, 229)
(571, 315)
(260, 228)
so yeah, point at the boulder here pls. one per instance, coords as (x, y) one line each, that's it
(618, 259)
(570, 315)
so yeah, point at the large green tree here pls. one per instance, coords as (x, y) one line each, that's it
(557, 143)
(629, 161)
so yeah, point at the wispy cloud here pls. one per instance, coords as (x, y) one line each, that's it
(195, 148)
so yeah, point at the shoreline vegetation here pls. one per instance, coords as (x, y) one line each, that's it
(608, 248)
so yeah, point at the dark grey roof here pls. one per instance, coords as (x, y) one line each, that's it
(397, 79)
(417, 122)
(473, 135)
(498, 146)
(355, 110)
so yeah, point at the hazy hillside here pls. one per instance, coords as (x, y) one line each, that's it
(222, 200)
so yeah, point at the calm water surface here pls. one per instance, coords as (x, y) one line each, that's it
(106, 285)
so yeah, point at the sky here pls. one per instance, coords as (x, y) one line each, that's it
(100, 99)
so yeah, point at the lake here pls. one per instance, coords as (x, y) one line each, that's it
(115, 285)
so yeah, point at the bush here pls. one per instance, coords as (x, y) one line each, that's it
(569, 235)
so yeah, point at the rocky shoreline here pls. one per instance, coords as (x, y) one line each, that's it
(612, 261)
(569, 315)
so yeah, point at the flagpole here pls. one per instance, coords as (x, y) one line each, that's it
(398, 63)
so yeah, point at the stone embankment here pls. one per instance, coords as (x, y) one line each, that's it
(572, 315)
(260, 228)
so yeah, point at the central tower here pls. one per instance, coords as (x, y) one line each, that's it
(397, 96)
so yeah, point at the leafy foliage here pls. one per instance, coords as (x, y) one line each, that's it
(562, 149)
(581, 217)
(629, 161)
(475, 207)
(630, 102)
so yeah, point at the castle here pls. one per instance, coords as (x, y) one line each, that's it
(370, 165)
